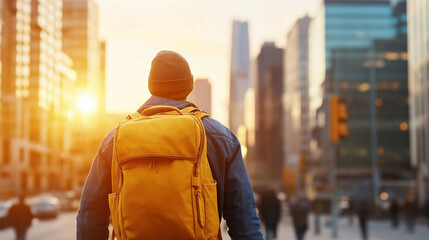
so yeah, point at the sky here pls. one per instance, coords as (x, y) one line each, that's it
(200, 30)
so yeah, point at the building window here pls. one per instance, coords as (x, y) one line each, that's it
(6, 152)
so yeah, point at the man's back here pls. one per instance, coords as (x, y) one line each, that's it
(235, 196)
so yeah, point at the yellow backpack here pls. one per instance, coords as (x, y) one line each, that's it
(162, 185)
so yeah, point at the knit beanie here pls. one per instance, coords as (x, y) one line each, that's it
(170, 76)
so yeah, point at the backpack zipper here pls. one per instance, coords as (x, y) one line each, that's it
(156, 155)
(199, 197)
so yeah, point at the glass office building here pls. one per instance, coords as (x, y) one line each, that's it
(239, 73)
(295, 95)
(418, 46)
(358, 50)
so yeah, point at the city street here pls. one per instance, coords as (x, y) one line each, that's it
(63, 228)
(378, 230)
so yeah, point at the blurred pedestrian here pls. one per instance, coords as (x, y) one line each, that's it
(427, 210)
(363, 212)
(351, 211)
(410, 209)
(20, 217)
(299, 211)
(270, 212)
(317, 212)
(394, 212)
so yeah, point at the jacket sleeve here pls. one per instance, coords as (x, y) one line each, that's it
(93, 215)
(239, 204)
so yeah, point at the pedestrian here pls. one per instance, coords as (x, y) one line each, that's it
(351, 211)
(410, 211)
(317, 211)
(427, 210)
(363, 212)
(300, 209)
(270, 212)
(20, 217)
(166, 169)
(394, 212)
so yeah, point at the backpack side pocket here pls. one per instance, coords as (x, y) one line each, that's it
(114, 214)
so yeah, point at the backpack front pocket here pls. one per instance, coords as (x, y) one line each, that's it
(157, 199)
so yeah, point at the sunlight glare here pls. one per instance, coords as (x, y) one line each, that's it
(86, 103)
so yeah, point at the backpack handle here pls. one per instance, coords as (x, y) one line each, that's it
(167, 108)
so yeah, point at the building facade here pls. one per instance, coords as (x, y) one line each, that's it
(7, 89)
(295, 95)
(82, 43)
(15, 57)
(358, 51)
(37, 101)
(268, 152)
(418, 63)
(239, 74)
(201, 95)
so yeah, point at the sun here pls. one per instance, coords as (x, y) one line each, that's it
(86, 103)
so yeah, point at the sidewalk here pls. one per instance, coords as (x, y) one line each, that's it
(378, 230)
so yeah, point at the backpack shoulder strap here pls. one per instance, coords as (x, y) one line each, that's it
(196, 111)
(133, 115)
(187, 110)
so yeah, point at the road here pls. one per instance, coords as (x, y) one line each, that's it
(63, 228)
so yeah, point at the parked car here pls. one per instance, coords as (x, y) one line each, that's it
(69, 201)
(46, 207)
(4, 210)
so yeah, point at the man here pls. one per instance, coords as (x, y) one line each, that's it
(410, 210)
(270, 212)
(394, 210)
(363, 214)
(427, 210)
(20, 217)
(170, 82)
(299, 212)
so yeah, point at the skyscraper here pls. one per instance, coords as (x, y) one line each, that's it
(363, 60)
(239, 74)
(15, 68)
(81, 42)
(268, 155)
(37, 99)
(34, 115)
(7, 85)
(15, 81)
(295, 96)
(201, 95)
(418, 63)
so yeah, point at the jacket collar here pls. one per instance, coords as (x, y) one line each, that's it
(156, 101)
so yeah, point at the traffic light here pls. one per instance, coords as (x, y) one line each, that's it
(289, 178)
(303, 164)
(338, 118)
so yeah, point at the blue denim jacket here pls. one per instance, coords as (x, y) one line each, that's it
(235, 196)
